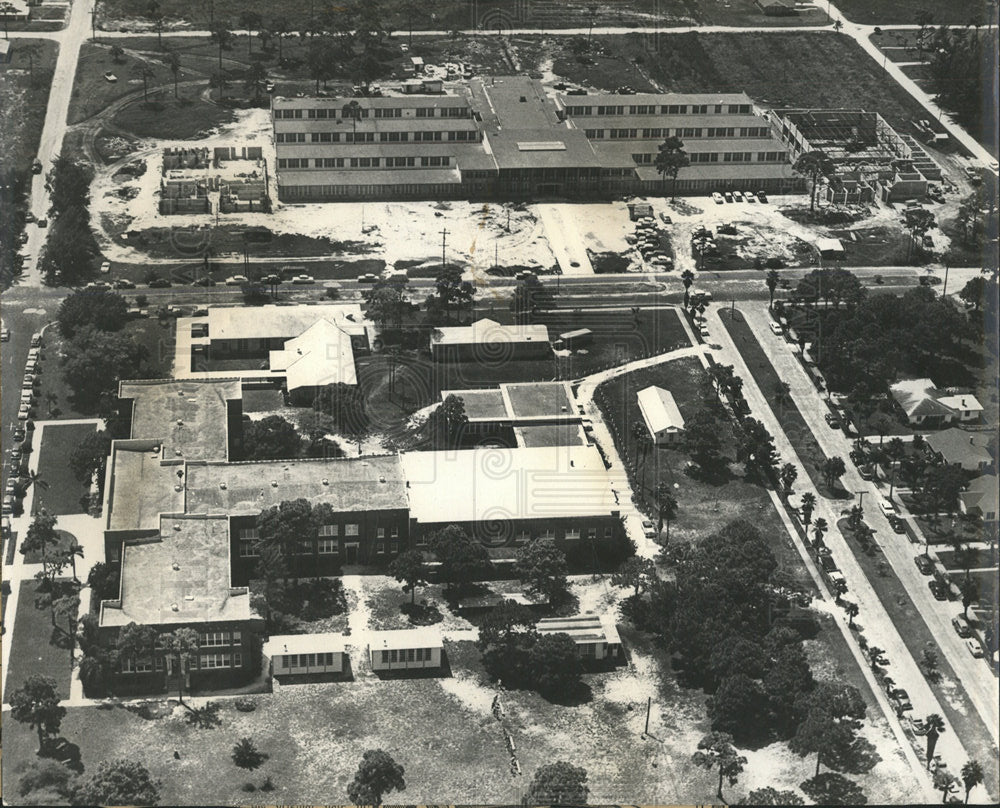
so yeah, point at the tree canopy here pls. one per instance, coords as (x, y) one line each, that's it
(105, 311)
(118, 782)
(95, 361)
(558, 783)
(36, 704)
(377, 775)
(463, 559)
(542, 566)
(271, 438)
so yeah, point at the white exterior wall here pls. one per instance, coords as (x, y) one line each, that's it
(668, 437)
(402, 661)
(280, 666)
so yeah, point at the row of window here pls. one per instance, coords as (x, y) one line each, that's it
(205, 662)
(363, 162)
(406, 655)
(251, 549)
(460, 136)
(308, 660)
(683, 132)
(347, 113)
(713, 157)
(208, 639)
(662, 109)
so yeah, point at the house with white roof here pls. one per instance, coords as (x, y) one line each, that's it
(927, 406)
(662, 417)
(488, 340)
(596, 636)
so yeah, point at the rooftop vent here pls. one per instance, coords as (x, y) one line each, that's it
(176, 566)
(180, 422)
(176, 526)
(326, 481)
(222, 486)
(189, 597)
(381, 478)
(174, 607)
(274, 483)
(178, 452)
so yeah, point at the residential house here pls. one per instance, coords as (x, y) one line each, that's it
(928, 407)
(955, 446)
(981, 498)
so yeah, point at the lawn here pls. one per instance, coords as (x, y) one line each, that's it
(24, 96)
(61, 491)
(786, 411)
(63, 541)
(831, 70)
(902, 12)
(912, 628)
(704, 504)
(31, 652)
(172, 118)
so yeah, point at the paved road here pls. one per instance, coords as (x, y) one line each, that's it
(977, 680)
(879, 628)
(50, 145)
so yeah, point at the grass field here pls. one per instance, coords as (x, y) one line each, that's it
(786, 411)
(24, 95)
(32, 653)
(62, 491)
(901, 12)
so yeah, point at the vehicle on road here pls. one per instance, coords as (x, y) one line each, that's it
(123, 283)
(666, 219)
(961, 625)
(4, 334)
(975, 647)
(762, 197)
(42, 222)
(236, 280)
(36, 340)
(886, 507)
(29, 216)
(898, 524)
(22, 238)
(647, 529)
(717, 198)
(159, 283)
(776, 328)
(938, 589)
(902, 699)
(105, 267)
(98, 286)
(832, 420)
(303, 279)
(371, 277)
(36, 166)
(924, 564)
(110, 77)
(867, 472)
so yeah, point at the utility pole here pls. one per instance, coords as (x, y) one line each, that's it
(944, 289)
(649, 704)
(93, 22)
(892, 482)
(861, 498)
(444, 243)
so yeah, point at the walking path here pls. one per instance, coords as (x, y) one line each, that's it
(879, 628)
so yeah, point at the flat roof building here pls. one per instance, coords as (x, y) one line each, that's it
(509, 137)
(405, 649)
(596, 636)
(305, 654)
(488, 339)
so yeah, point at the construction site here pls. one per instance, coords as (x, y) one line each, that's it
(225, 179)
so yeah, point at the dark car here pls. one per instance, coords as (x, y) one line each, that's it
(898, 525)
(123, 283)
(159, 283)
(939, 590)
(867, 473)
(761, 196)
(36, 166)
(728, 196)
(925, 565)
(832, 420)
(857, 458)
(902, 699)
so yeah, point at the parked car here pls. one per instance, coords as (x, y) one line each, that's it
(728, 196)
(902, 699)
(15, 453)
(159, 283)
(924, 564)
(368, 277)
(236, 280)
(738, 196)
(717, 198)
(886, 507)
(761, 197)
(832, 420)
(647, 529)
(23, 412)
(303, 279)
(98, 286)
(938, 589)
(857, 457)
(273, 279)
(29, 216)
(8, 506)
(975, 647)
(111, 77)
(776, 328)
(666, 219)
(36, 339)
(22, 238)
(4, 334)
(42, 222)
(867, 472)
(898, 524)
(123, 283)
(36, 166)
(749, 197)
(203, 281)
(961, 625)
(19, 433)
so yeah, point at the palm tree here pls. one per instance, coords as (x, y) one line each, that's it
(250, 20)
(687, 278)
(174, 63)
(972, 776)
(852, 610)
(73, 552)
(280, 29)
(145, 72)
(819, 528)
(935, 726)
(772, 286)
(117, 54)
(812, 164)
(808, 506)
(666, 504)
(638, 432)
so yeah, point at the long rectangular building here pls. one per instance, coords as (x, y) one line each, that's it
(508, 137)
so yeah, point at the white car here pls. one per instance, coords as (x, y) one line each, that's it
(303, 279)
(749, 197)
(110, 77)
(717, 198)
(975, 647)
(236, 280)
(4, 334)
(776, 328)
(23, 412)
(106, 267)
(887, 508)
(647, 529)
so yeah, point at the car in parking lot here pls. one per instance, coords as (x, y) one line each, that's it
(738, 196)
(8, 506)
(159, 283)
(832, 420)
(728, 196)
(24, 412)
(19, 433)
(15, 453)
(975, 647)
(924, 564)
(749, 197)
(666, 219)
(886, 507)
(123, 283)
(273, 279)
(938, 589)
(761, 196)
(236, 280)
(303, 279)
(647, 529)
(717, 198)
